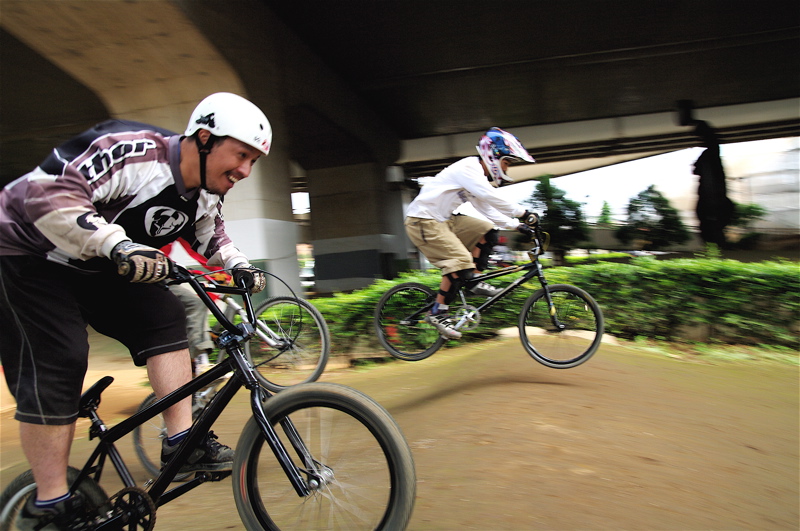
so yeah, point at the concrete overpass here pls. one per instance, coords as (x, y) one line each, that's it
(362, 94)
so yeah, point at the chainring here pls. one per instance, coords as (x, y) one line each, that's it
(136, 506)
(472, 315)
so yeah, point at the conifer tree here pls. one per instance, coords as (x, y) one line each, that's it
(562, 218)
(653, 221)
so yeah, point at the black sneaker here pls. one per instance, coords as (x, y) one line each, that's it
(65, 515)
(208, 456)
(444, 324)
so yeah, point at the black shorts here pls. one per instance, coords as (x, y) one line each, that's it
(45, 309)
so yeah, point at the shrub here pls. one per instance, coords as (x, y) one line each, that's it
(705, 299)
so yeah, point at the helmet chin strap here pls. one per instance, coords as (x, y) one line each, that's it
(203, 150)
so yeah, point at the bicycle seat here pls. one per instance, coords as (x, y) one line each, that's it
(90, 399)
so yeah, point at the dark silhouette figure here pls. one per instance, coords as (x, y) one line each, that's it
(714, 209)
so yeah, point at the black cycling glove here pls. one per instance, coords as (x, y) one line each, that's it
(525, 230)
(529, 218)
(140, 263)
(253, 278)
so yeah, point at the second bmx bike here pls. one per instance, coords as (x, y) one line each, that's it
(560, 326)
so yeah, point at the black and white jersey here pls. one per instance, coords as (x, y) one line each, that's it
(119, 180)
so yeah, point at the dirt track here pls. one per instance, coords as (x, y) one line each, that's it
(630, 440)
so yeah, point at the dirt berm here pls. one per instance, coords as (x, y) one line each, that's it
(629, 440)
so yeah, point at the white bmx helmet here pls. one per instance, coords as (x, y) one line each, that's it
(226, 114)
(497, 145)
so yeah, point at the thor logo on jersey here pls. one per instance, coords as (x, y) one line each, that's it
(101, 162)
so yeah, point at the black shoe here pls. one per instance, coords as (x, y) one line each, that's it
(208, 456)
(65, 515)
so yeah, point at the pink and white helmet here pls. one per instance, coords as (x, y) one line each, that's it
(497, 145)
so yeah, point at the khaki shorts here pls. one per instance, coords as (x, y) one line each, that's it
(448, 245)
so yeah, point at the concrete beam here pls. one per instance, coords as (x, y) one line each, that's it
(144, 60)
(608, 132)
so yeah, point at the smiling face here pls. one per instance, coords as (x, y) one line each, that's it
(229, 162)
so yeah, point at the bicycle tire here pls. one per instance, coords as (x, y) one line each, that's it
(372, 482)
(404, 338)
(306, 338)
(17, 492)
(567, 348)
(147, 439)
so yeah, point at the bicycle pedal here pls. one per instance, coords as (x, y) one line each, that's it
(214, 476)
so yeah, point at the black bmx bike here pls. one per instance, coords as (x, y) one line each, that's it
(560, 326)
(290, 345)
(313, 456)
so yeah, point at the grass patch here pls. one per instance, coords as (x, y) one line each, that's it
(715, 352)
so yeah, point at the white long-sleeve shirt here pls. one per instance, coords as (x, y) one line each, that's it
(461, 182)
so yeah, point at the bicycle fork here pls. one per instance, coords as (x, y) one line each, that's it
(289, 468)
(258, 395)
(551, 307)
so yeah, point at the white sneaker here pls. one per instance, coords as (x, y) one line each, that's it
(444, 324)
(483, 289)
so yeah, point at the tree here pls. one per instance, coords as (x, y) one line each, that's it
(739, 234)
(562, 218)
(746, 213)
(605, 215)
(652, 220)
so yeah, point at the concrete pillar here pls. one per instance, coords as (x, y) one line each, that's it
(355, 233)
(258, 217)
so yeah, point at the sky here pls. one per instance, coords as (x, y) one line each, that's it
(671, 173)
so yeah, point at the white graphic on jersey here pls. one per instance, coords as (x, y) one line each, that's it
(164, 221)
(101, 162)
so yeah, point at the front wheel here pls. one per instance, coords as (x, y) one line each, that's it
(304, 343)
(361, 464)
(23, 486)
(400, 322)
(577, 337)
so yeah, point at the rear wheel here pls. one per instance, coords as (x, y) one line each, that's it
(23, 486)
(580, 333)
(400, 322)
(303, 343)
(361, 475)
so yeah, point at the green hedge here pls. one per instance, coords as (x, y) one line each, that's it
(701, 299)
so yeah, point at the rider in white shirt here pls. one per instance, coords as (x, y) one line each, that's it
(458, 244)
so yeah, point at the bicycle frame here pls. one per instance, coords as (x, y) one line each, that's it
(231, 340)
(261, 329)
(532, 268)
